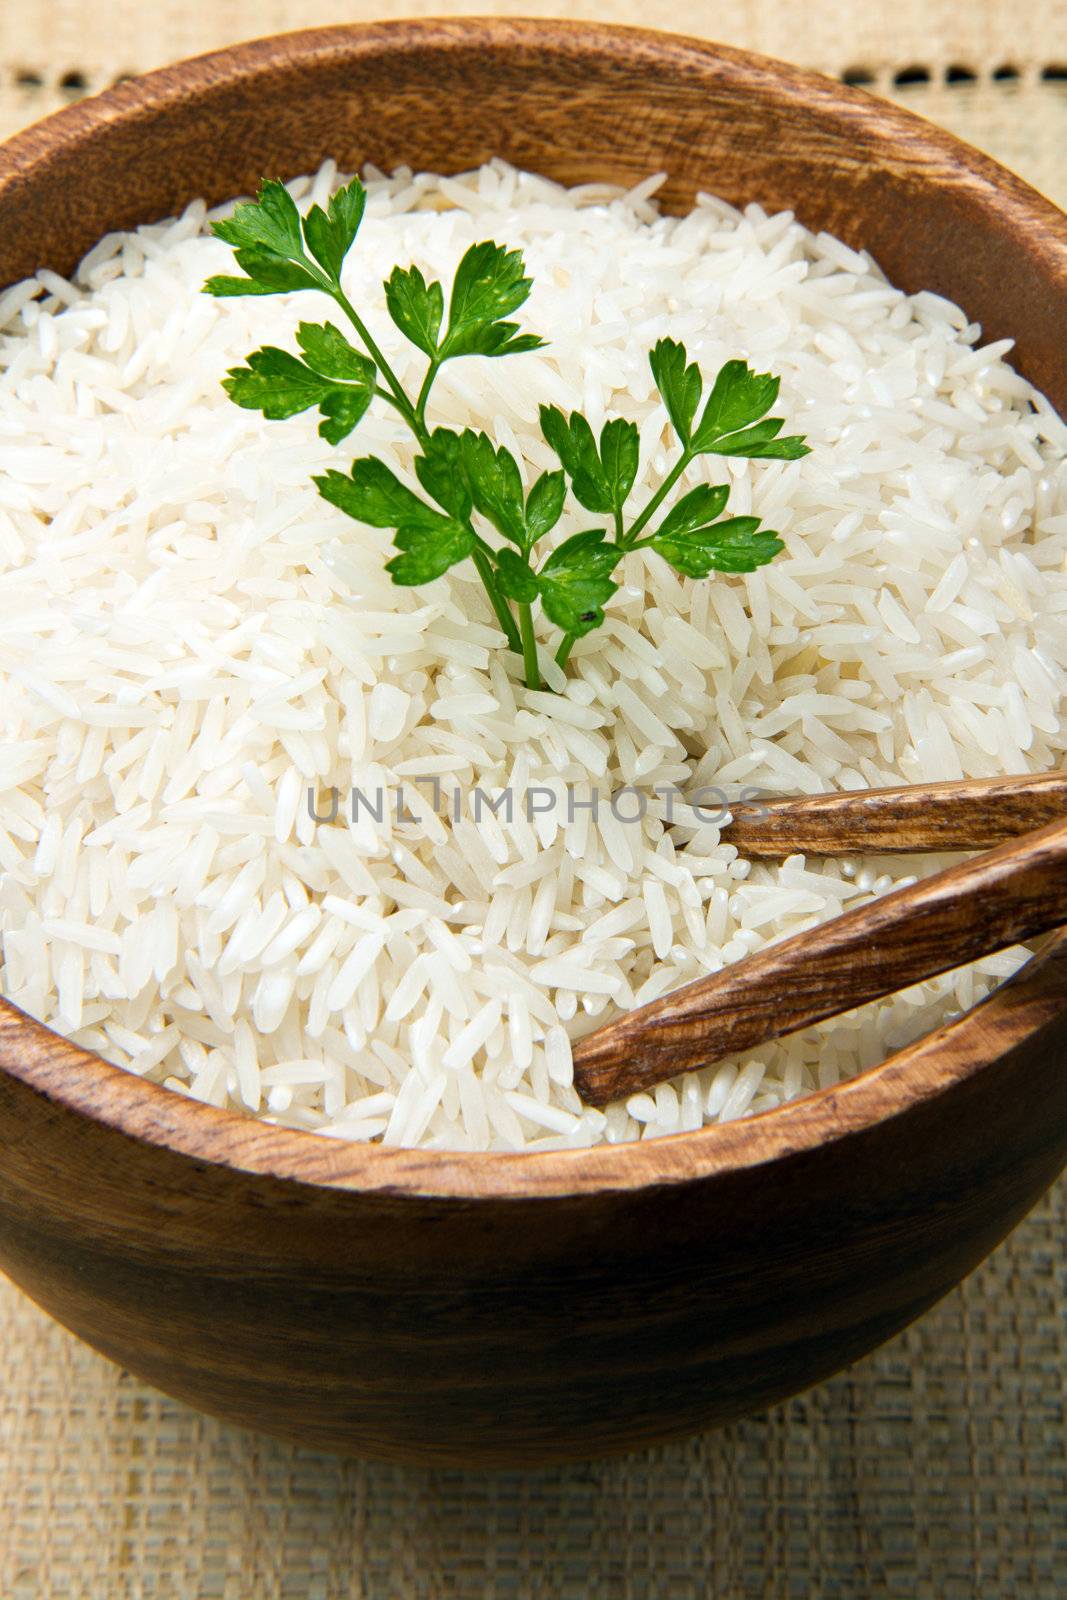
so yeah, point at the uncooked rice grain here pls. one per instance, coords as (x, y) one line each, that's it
(192, 643)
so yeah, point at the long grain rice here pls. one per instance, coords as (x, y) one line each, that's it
(192, 642)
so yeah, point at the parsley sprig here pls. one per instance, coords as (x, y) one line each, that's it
(464, 475)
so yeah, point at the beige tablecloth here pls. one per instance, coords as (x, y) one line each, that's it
(934, 1470)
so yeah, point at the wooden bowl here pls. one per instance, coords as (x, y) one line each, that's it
(509, 1308)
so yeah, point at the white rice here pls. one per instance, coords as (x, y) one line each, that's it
(190, 638)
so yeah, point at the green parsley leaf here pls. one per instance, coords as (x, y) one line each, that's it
(695, 509)
(738, 398)
(427, 553)
(679, 385)
(271, 220)
(342, 410)
(619, 452)
(730, 424)
(269, 240)
(544, 505)
(490, 283)
(737, 544)
(268, 244)
(575, 601)
(280, 385)
(517, 580)
(495, 485)
(591, 547)
(573, 442)
(326, 350)
(267, 274)
(275, 383)
(330, 234)
(441, 471)
(560, 434)
(225, 288)
(415, 306)
(601, 478)
(760, 443)
(429, 541)
(489, 339)
(464, 473)
(375, 495)
(575, 582)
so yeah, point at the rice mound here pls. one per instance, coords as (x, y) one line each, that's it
(192, 641)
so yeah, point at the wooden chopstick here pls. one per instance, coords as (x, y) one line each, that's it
(994, 900)
(971, 815)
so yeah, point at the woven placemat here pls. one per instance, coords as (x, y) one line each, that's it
(934, 1470)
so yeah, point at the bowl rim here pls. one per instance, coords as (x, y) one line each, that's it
(79, 1081)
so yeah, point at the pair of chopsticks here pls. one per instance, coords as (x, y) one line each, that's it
(1014, 891)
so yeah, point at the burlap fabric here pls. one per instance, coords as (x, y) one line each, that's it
(934, 1470)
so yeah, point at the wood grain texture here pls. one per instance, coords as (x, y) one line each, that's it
(487, 1309)
(570, 100)
(973, 814)
(590, 1306)
(1000, 898)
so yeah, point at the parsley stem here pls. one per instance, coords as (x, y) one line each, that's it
(524, 643)
(499, 604)
(403, 404)
(424, 393)
(482, 556)
(565, 648)
(657, 499)
(529, 647)
(414, 416)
